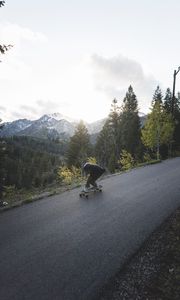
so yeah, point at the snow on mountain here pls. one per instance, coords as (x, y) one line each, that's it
(58, 117)
(53, 125)
(12, 128)
(48, 126)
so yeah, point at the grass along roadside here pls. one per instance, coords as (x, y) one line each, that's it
(24, 197)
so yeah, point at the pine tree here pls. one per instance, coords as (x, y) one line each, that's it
(157, 95)
(107, 145)
(2, 3)
(130, 123)
(121, 131)
(130, 101)
(114, 128)
(103, 146)
(175, 145)
(79, 146)
(168, 100)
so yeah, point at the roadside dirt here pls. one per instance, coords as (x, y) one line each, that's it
(153, 273)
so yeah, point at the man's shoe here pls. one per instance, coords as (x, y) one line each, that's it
(86, 190)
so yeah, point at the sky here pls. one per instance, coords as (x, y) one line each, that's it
(75, 56)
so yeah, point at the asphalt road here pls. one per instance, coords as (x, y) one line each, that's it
(65, 247)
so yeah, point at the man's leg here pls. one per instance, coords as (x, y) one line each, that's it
(88, 182)
(95, 177)
(91, 181)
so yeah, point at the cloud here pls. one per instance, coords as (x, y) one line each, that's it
(31, 111)
(113, 76)
(118, 68)
(38, 109)
(2, 108)
(14, 34)
(15, 69)
(28, 109)
(2, 111)
(46, 107)
(14, 66)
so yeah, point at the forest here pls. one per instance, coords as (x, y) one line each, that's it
(28, 162)
(124, 142)
(125, 137)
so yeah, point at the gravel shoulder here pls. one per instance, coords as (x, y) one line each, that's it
(153, 273)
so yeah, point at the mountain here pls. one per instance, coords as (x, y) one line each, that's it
(95, 127)
(13, 128)
(52, 126)
(48, 126)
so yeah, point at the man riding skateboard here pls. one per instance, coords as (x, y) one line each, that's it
(94, 171)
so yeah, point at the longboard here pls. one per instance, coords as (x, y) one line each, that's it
(91, 191)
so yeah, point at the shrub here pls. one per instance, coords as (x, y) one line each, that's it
(67, 175)
(147, 157)
(91, 160)
(126, 160)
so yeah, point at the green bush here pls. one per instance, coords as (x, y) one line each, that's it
(91, 160)
(126, 160)
(67, 175)
(147, 157)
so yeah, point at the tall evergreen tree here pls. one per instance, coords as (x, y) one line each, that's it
(79, 146)
(168, 100)
(108, 146)
(158, 96)
(103, 148)
(130, 101)
(130, 123)
(114, 128)
(175, 146)
(2, 3)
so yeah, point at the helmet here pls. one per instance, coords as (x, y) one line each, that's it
(86, 165)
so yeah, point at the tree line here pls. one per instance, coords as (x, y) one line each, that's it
(124, 135)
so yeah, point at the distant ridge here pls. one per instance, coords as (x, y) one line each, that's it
(51, 126)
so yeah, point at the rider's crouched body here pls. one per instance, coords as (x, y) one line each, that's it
(94, 171)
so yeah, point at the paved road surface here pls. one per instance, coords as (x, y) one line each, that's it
(65, 247)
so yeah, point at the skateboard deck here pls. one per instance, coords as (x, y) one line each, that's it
(91, 191)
